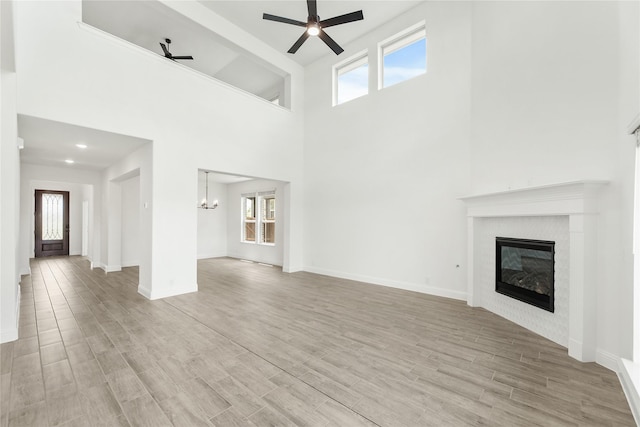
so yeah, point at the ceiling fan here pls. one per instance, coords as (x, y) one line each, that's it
(315, 27)
(167, 54)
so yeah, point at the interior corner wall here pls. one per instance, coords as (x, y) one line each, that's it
(269, 254)
(10, 217)
(628, 111)
(9, 181)
(127, 202)
(382, 172)
(130, 202)
(212, 223)
(545, 109)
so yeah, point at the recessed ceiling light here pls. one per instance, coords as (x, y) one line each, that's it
(69, 161)
(81, 145)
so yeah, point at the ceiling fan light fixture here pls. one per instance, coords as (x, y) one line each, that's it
(313, 29)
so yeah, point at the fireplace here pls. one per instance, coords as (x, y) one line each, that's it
(525, 270)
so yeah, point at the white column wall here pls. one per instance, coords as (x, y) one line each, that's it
(130, 199)
(9, 182)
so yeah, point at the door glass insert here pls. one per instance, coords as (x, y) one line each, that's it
(52, 216)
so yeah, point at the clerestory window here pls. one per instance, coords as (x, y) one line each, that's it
(403, 56)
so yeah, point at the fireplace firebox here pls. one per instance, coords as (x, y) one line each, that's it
(525, 270)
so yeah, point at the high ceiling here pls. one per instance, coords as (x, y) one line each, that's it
(149, 23)
(247, 14)
(51, 143)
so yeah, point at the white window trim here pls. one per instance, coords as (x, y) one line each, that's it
(399, 40)
(345, 66)
(258, 218)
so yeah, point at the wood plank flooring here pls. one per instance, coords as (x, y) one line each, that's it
(257, 347)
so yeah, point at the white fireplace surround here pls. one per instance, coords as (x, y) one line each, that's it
(579, 202)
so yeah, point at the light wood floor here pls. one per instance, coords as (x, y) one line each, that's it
(256, 347)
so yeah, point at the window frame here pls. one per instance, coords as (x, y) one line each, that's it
(353, 62)
(399, 41)
(245, 218)
(258, 198)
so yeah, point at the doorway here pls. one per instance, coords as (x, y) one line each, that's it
(51, 223)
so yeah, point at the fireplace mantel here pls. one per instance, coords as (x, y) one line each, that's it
(578, 201)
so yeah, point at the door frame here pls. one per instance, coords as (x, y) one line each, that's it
(38, 225)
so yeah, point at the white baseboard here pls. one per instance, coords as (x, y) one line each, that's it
(11, 333)
(131, 264)
(292, 269)
(608, 360)
(629, 374)
(212, 255)
(25, 270)
(106, 268)
(110, 268)
(165, 293)
(145, 292)
(407, 286)
(8, 335)
(255, 259)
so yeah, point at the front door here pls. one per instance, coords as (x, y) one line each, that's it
(52, 223)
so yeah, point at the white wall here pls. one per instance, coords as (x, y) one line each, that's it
(194, 122)
(9, 181)
(130, 189)
(516, 94)
(82, 185)
(270, 254)
(382, 172)
(115, 207)
(628, 109)
(212, 223)
(545, 109)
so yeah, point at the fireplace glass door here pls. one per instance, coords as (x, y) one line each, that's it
(525, 270)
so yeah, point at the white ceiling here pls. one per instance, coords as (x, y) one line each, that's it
(149, 23)
(50, 143)
(247, 14)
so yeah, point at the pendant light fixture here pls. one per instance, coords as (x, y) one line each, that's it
(205, 202)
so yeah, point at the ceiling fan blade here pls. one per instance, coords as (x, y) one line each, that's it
(182, 57)
(299, 42)
(269, 17)
(165, 50)
(342, 19)
(312, 7)
(330, 42)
